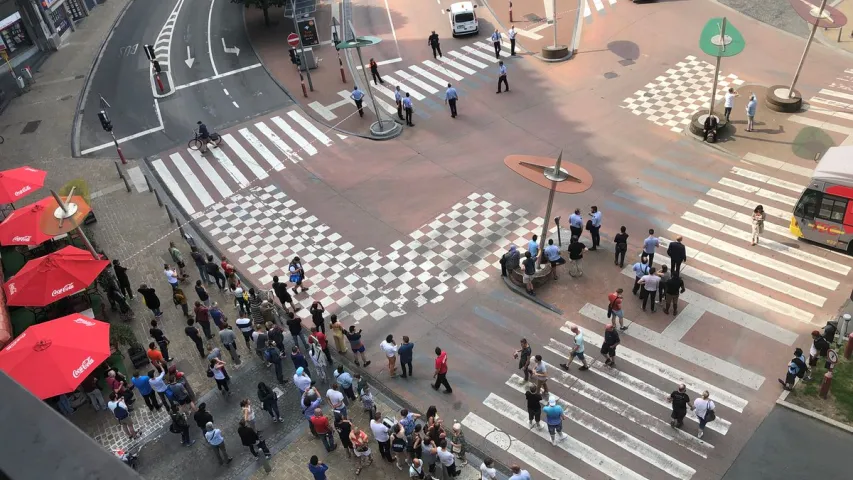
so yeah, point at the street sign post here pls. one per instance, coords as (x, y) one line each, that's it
(720, 39)
(293, 40)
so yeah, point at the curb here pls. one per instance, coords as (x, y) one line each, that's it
(75, 125)
(518, 44)
(515, 288)
(833, 423)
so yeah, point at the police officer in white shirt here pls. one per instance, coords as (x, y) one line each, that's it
(502, 76)
(398, 98)
(450, 97)
(358, 97)
(576, 223)
(595, 223)
(511, 35)
(496, 41)
(407, 106)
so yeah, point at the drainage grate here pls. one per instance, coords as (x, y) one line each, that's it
(610, 75)
(31, 127)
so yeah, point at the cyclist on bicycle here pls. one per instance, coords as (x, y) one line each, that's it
(203, 135)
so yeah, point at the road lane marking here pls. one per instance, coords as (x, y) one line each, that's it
(761, 192)
(192, 180)
(811, 122)
(407, 77)
(305, 145)
(262, 149)
(244, 156)
(278, 142)
(405, 88)
(209, 43)
(438, 68)
(478, 53)
(138, 179)
(217, 76)
(307, 125)
(173, 186)
(205, 166)
(232, 169)
(325, 112)
(467, 59)
(760, 177)
(778, 164)
(429, 76)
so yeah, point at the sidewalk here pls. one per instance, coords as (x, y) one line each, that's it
(831, 37)
(533, 31)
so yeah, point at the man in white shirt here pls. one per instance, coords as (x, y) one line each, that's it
(650, 283)
(577, 350)
(389, 347)
(446, 458)
(171, 275)
(595, 226)
(244, 324)
(650, 244)
(487, 471)
(518, 473)
(336, 400)
(301, 380)
(511, 35)
(382, 434)
(730, 102)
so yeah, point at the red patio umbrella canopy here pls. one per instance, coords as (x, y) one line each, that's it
(17, 183)
(23, 226)
(53, 358)
(47, 279)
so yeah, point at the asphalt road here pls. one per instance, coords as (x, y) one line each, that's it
(218, 101)
(789, 445)
(776, 13)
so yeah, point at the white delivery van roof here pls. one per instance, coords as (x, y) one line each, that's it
(836, 166)
(461, 7)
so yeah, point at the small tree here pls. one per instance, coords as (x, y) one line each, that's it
(264, 5)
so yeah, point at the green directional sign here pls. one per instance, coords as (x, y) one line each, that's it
(365, 41)
(720, 38)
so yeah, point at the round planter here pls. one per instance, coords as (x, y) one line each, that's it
(777, 99)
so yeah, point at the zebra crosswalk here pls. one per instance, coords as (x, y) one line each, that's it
(599, 423)
(245, 156)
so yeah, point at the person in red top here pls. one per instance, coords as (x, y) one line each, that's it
(229, 271)
(320, 337)
(323, 428)
(440, 374)
(615, 309)
(156, 357)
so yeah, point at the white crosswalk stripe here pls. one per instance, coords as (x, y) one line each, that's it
(229, 166)
(480, 54)
(217, 181)
(429, 76)
(409, 78)
(490, 47)
(173, 186)
(442, 70)
(192, 179)
(245, 157)
(467, 59)
(457, 65)
(304, 123)
(278, 142)
(259, 147)
(404, 87)
(304, 145)
(761, 192)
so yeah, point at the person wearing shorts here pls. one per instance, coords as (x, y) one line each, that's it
(357, 345)
(615, 306)
(554, 418)
(529, 269)
(608, 346)
(362, 450)
(577, 351)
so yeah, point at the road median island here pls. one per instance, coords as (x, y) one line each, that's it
(838, 404)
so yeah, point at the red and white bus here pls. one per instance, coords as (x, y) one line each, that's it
(824, 213)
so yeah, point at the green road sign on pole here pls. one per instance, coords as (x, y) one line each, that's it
(720, 39)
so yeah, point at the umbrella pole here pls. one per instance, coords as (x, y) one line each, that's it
(67, 214)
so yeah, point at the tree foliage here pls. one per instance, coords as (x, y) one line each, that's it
(263, 5)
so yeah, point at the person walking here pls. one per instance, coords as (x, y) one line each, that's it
(641, 269)
(143, 386)
(244, 324)
(594, 225)
(357, 96)
(576, 223)
(181, 425)
(502, 75)
(540, 374)
(405, 352)
(152, 301)
(398, 100)
(123, 280)
(554, 419)
(407, 106)
(751, 107)
(758, 217)
(620, 241)
(202, 317)
(650, 244)
(576, 249)
(577, 350)
(730, 102)
(216, 370)
(356, 345)
(389, 348)
(523, 357)
(665, 277)
(433, 42)
(229, 342)
(191, 331)
(280, 290)
(269, 401)
(649, 284)
(157, 359)
(294, 325)
(93, 391)
(451, 96)
(382, 435)
(249, 438)
(608, 346)
(496, 42)
(240, 299)
(440, 374)
(704, 408)
(360, 444)
(614, 309)
(511, 34)
(674, 287)
(680, 403)
(121, 411)
(337, 334)
(529, 270)
(317, 468)
(202, 417)
(677, 255)
(217, 443)
(374, 72)
(552, 253)
(534, 406)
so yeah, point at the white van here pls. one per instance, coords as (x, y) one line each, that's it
(463, 19)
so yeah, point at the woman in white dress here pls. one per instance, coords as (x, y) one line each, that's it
(758, 217)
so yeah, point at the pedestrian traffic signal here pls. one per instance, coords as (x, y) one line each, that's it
(105, 121)
(156, 66)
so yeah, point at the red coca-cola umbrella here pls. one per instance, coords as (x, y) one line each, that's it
(17, 183)
(47, 279)
(54, 357)
(23, 226)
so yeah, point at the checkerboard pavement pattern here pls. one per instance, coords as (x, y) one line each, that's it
(455, 250)
(673, 98)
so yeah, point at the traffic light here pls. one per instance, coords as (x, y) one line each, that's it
(105, 121)
(156, 66)
(293, 58)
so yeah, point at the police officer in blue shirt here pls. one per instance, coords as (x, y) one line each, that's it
(450, 97)
(576, 223)
(502, 76)
(398, 97)
(496, 41)
(358, 96)
(594, 226)
(407, 106)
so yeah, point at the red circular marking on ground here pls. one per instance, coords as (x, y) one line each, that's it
(580, 179)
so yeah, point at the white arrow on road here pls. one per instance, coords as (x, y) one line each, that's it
(235, 50)
(190, 60)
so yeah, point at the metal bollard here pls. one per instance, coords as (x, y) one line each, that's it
(118, 169)
(825, 385)
(169, 212)
(181, 230)
(148, 182)
(264, 462)
(157, 196)
(848, 349)
(126, 183)
(839, 35)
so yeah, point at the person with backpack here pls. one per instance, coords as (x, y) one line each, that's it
(614, 309)
(180, 425)
(269, 401)
(796, 369)
(680, 402)
(704, 408)
(273, 355)
(179, 394)
(122, 414)
(820, 348)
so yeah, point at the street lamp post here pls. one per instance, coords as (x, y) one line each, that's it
(556, 175)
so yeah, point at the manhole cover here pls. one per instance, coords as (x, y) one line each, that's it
(626, 62)
(31, 127)
(500, 439)
(610, 75)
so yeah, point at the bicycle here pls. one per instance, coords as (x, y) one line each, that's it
(215, 139)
